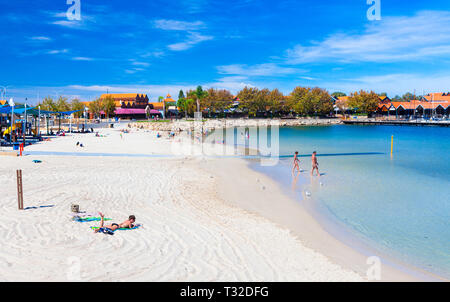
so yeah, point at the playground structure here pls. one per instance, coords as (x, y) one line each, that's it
(22, 125)
(18, 126)
(8, 131)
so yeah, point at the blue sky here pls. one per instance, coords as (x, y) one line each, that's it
(160, 47)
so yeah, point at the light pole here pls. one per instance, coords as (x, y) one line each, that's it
(11, 103)
(85, 114)
(39, 122)
(24, 130)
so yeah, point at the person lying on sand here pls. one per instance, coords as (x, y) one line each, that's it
(114, 226)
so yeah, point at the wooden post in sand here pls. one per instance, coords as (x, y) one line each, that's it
(19, 189)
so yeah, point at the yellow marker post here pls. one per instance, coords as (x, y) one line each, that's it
(392, 144)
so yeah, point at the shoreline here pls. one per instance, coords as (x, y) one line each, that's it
(191, 232)
(212, 124)
(252, 199)
(306, 225)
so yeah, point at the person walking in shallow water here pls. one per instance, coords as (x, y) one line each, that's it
(315, 164)
(296, 162)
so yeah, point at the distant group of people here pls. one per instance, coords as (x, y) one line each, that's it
(61, 133)
(314, 163)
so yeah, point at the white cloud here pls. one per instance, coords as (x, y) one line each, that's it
(192, 39)
(85, 23)
(41, 38)
(82, 59)
(308, 78)
(393, 39)
(137, 63)
(191, 28)
(178, 25)
(231, 84)
(194, 6)
(154, 91)
(267, 69)
(70, 24)
(154, 54)
(57, 51)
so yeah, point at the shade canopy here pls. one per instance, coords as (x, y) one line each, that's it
(7, 109)
(20, 110)
(67, 112)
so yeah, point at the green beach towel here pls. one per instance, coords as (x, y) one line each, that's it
(137, 226)
(89, 219)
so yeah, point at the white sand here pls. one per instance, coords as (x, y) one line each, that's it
(192, 230)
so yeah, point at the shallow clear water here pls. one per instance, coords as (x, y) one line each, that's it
(399, 205)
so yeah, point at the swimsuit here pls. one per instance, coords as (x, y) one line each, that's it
(115, 224)
(106, 231)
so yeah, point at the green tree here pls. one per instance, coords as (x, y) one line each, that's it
(48, 104)
(198, 95)
(181, 95)
(95, 107)
(311, 101)
(397, 98)
(263, 101)
(322, 102)
(186, 106)
(62, 104)
(217, 100)
(363, 101)
(276, 101)
(248, 100)
(297, 101)
(109, 105)
(408, 97)
(338, 94)
(75, 104)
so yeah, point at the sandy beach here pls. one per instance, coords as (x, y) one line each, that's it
(198, 225)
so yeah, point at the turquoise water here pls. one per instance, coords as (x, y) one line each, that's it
(399, 205)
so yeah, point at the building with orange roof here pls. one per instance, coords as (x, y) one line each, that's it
(157, 105)
(417, 107)
(342, 98)
(384, 99)
(169, 99)
(437, 97)
(131, 105)
(128, 100)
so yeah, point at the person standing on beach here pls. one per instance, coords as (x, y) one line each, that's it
(315, 164)
(296, 162)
